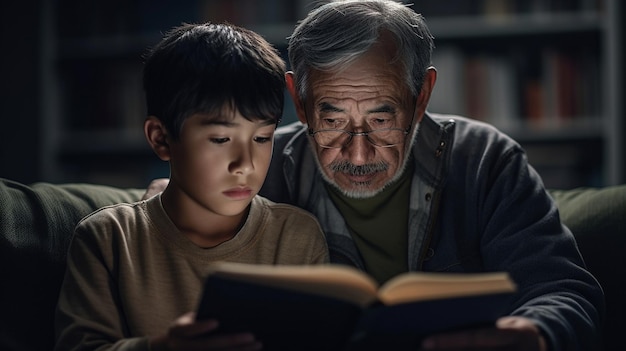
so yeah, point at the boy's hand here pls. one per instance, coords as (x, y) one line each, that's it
(510, 333)
(190, 335)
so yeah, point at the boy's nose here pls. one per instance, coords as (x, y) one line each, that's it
(242, 163)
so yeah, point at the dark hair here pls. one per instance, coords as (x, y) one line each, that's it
(336, 33)
(202, 68)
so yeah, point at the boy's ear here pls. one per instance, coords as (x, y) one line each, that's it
(291, 87)
(156, 134)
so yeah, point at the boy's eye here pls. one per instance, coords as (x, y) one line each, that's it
(262, 140)
(219, 140)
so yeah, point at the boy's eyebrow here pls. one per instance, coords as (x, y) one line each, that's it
(268, 122)
(227, 123)
(218, 122)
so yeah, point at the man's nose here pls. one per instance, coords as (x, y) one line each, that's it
(359, 150)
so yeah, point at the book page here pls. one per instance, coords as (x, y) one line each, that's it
(414, 286)
(337, 281)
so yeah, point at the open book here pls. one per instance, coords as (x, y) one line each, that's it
(336, 307)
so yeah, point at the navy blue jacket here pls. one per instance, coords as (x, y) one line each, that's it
(476, 205)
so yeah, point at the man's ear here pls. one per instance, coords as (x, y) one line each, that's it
(291, 87)
(424, 96)
(156, 134)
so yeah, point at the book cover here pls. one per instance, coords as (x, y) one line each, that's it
(330, 307)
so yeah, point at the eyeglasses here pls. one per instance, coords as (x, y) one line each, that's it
(338, 138)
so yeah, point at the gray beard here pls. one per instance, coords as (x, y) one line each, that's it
(349, 168)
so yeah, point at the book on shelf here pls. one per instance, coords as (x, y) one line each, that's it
(336, 307)
(448, 95)
(546, 89)
(479, 86)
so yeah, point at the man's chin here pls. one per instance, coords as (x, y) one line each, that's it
(362, 194)
(357, 190)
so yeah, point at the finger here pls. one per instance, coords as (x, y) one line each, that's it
(238, 341)
(513, 322)
(477, 338)
(230, 342)
(186, 326)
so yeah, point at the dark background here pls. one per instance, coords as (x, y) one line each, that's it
(71, 103)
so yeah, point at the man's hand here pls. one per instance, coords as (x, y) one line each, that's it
(156, 186)
(187, 334)
(510, 333)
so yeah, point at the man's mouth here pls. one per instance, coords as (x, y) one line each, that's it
(363, 179)
(358, 172)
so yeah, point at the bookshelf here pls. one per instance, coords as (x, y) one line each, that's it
(548, 72)
(544, 71)
(93, 79)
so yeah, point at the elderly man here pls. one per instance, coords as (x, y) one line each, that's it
(399, 189)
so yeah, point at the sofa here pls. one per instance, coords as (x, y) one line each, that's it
(37, 220)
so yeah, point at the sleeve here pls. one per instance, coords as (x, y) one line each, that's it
(89, 315)
(312, 233)
(523, 234)
(297, 237)
(320, 253)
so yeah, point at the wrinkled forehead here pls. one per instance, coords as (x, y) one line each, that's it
(375, 74)
(358, 91)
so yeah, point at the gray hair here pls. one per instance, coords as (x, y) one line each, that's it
(336, 33)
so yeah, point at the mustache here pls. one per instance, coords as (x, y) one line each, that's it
(354, 170)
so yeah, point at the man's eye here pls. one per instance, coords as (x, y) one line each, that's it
(380, 122)
(219, 140)
(332, 123)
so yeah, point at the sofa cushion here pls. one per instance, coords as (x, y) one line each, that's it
(36, 223)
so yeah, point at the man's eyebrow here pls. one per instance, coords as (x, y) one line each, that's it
(383, 109)
(327, 107)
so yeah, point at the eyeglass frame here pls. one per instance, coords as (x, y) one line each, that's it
(312, 133)
(352, 134)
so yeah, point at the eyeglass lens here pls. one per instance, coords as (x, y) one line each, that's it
(340, 138)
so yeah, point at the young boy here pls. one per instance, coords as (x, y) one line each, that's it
(135, 271)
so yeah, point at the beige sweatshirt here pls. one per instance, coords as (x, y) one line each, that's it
(131, 273)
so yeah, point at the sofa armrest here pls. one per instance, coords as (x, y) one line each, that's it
(597, 218)
(36, 224)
